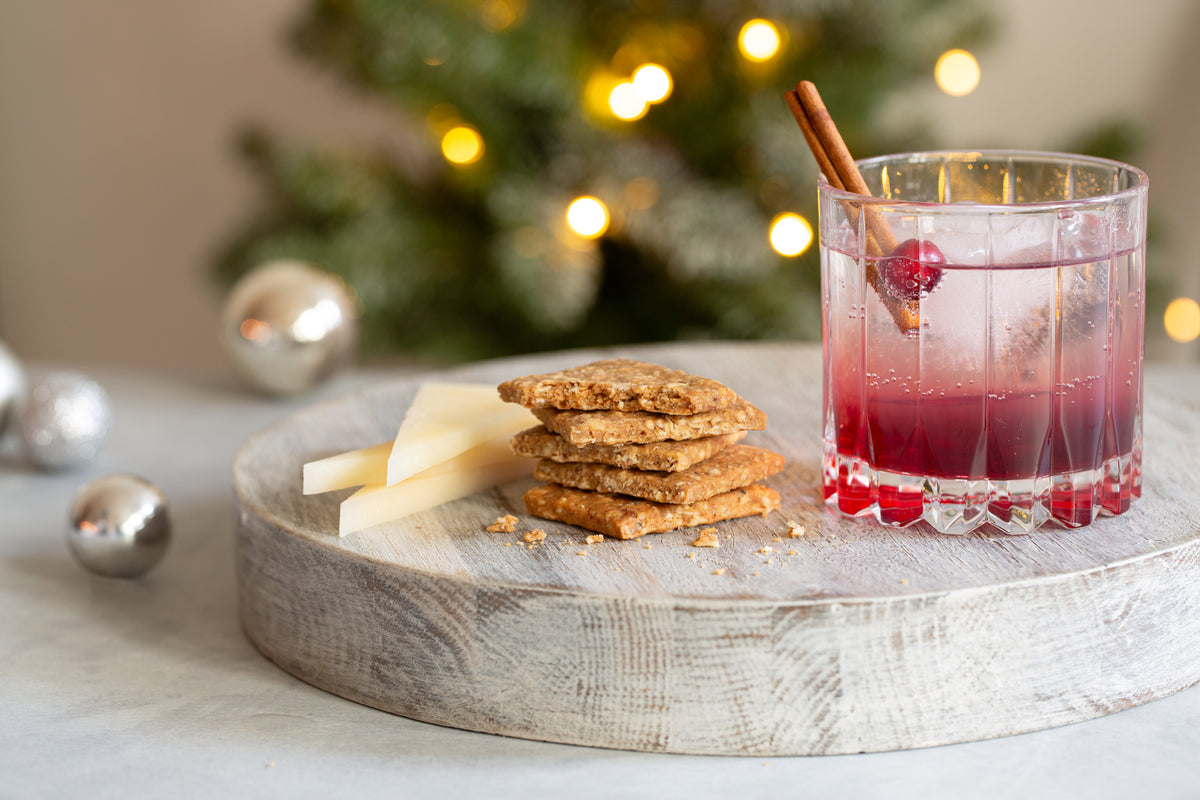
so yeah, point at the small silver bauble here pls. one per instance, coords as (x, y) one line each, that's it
(63, 420)
(119, 526)
(12, 385)
(288, 326)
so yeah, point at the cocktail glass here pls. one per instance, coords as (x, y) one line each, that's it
(994, 375)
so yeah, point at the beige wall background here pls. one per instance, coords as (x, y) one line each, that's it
(118, 179)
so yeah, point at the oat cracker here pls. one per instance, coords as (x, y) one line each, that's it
(669, 456)
(639, 427)
(729, 469)
(628, 518)
(621, 384)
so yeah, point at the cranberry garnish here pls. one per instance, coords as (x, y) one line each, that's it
(912, 269)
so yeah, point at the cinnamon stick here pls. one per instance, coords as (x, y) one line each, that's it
(814, 142)
(836, 163)
(828, 169)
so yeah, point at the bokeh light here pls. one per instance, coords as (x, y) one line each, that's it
(1182, 319)
(791, 234)
(652, 83)
(956, 72)
(640, 193)
(498, 15)
(587, 216)
(758, 40)
(625, 103)
(255, 330)
(462, 145)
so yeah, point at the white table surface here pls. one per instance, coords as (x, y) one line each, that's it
(147, 688)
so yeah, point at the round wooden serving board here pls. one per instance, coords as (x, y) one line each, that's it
(851, 638)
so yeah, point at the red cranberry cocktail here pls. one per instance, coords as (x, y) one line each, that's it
(986, 368)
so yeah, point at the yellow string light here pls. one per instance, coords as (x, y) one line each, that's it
(462, 145)
(652, 83)
(499, 15)
(759, 40)
(1182, 319)
(791, 234)
(957, 72)
(587, 217)
(625, 103)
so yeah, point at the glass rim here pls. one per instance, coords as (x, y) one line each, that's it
(1139, 186)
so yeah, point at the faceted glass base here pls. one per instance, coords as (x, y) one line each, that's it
(957, 506)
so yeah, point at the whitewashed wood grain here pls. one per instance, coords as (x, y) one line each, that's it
(864, 639)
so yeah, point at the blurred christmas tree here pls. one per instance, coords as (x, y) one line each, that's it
(535, 103)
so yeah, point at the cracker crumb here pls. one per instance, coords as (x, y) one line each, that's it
(648, 546)
(270, 765)
(582, 553)
(595, 537)
(505, 524)
(770, 561)
(756, 573)
(691, 555)
(792, 553)
(536, 535)
(795, 529)
(904, 580)
(719, 571)
(777, 539)
(508, 544)
(707, 538)
(767, 549)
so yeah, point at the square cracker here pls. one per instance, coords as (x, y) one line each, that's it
(732, 468)
(619, 384)
(638, 427)
(670, 456)
(628, 518)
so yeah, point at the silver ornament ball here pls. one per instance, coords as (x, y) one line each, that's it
(119, 526)
(288, 326)
(63, 420)
(12, 385)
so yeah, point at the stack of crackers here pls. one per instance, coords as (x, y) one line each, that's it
(631, 448)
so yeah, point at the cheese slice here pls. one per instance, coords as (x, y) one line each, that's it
(481, 467)
(355, 468)
(446, 419)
